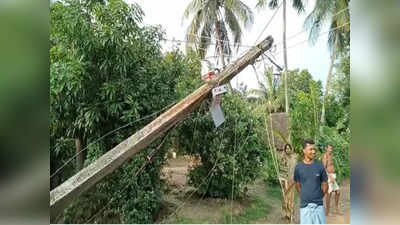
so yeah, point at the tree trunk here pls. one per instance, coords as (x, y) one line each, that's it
(220, 46)
(80, 156)
(285, 57)
(328, 81)
(221, 52)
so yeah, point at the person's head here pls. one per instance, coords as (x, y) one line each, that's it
(308, 149)
(328, 148)
(287, 148)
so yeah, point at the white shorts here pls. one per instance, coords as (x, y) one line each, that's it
(333, 186)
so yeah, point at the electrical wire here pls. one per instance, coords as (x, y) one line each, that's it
(105, 135)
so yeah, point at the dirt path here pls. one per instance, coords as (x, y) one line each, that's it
(344, 206)
(258, 207)
(262, 206)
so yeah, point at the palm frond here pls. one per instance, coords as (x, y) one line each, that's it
(222, 34)
(241, 11)
(212, 9)
(319, 16)
(257, 92)
(207, 15)
(299, 5)
(343, 17)
(193, 6)
(193, 29)
(268, 77)
(261, 4)
(332, 35)
(205, 39)
(273, 4)
(234, 27)
(226, 43)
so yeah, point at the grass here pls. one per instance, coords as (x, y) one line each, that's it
(185, 220)
(259, 208)
(260, 204)
(274, 191)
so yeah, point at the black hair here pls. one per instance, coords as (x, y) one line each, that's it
(307, 141)
(287, 144)
(328, 144)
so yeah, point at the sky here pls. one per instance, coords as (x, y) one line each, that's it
(169, 14)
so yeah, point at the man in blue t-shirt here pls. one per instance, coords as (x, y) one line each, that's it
(311, 182)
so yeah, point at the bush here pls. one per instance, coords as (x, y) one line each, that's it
(128, 198)
(231, 155)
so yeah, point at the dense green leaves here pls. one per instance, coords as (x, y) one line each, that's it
(231, 155)
(305, 122)
(304, 115)
(341, 146)
(107, 72)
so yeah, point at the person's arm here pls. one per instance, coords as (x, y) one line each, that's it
(296, 178)
(324, 160)
(324, 188)
(324, 181)
(298, 187)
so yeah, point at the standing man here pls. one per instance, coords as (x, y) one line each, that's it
(327, 160)
(311, 182)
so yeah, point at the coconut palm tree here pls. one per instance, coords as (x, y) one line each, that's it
(273, 4)
(215, 20)
(268, 93)
(336, 14)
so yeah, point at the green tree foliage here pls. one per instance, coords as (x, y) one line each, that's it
(300, 81)
(341, 145)
(274, 93)
(273, 4)
(334, 111)
(191, 68)
(338, 101)
(107, 71)
(304, 116)
(231, 155)
(341, 93)
(306, 107)
(268, 94)
(337, 130)
(341, 83)
(337, 14)
(305, 102)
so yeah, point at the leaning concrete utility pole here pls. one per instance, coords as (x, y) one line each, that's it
(64, 194)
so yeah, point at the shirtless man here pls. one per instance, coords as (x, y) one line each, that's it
(327, 161)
